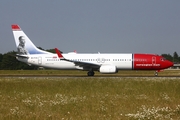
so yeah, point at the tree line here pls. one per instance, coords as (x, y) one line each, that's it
(8, 61)
(175, 58)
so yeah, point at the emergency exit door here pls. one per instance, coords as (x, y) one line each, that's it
(39, 60)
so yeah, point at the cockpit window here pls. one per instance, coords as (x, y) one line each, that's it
(163, 59)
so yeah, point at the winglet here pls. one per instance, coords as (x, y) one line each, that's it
(59, 53)
(15, 27)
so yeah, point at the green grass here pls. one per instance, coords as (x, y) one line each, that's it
(89, 98)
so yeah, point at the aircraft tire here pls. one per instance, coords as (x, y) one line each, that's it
(90, 73)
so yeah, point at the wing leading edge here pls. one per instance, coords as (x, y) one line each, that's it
(84, 65)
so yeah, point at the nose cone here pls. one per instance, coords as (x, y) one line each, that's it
(169, 64)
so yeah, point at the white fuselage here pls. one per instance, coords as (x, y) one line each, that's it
(121, 61)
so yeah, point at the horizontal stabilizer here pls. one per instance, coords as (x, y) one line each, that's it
(17, 55)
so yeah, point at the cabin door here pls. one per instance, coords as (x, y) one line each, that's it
(153, 60)
(39, 60)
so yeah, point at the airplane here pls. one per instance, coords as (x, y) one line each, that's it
(104, 63)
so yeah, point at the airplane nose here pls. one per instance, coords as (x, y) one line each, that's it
(170, 64)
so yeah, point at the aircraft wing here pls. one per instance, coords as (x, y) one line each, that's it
(78, 63)
(86, 65)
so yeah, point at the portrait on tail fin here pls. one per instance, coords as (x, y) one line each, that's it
(21, 47)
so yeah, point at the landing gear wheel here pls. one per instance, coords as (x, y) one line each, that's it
(156, 73)
(90, 73)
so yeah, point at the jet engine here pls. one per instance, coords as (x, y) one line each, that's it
(108, 69)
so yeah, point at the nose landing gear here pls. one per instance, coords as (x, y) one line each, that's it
(156, 73)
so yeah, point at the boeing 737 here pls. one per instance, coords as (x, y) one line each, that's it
(104, 63)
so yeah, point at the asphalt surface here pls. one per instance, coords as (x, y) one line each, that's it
(85, 76)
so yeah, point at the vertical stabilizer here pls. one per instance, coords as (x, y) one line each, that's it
(24, 44)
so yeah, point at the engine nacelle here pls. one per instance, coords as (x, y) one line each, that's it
(108, 69)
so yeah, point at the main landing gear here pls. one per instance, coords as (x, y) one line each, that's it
(90, 73)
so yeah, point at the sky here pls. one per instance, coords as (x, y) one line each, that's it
(91, 26)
